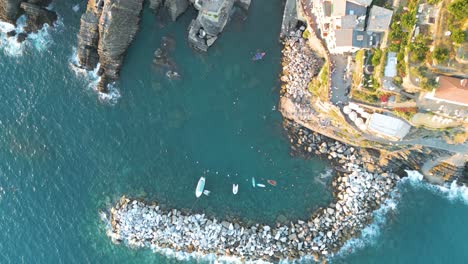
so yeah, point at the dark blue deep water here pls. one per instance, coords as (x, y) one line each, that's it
(66, 154)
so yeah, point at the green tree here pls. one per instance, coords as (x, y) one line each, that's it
(419, 48)
(458, 36)
(408, 19)
(459, 8)
(440, 54)
(376, 57)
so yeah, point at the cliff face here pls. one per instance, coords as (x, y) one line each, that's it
(176, 7)
(37, 16)
(107, 29)
(9, 10)
(35, 11)
(211, 20)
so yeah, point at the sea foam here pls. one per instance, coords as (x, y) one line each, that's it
(370, 234)
(451, 191)
(37, 41)
(92, 79)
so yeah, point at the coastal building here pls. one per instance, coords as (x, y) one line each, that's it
(342, 24)
(451, 90)
(388, 126)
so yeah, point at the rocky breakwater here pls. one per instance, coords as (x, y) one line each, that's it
(36, 16)
(300, 65)
(357, 193)
(107, 29)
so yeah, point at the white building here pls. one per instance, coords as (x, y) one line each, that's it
(387, 126)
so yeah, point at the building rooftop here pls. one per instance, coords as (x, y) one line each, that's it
(327, 8)
(390, 68)
(351, 38)
(362, 2)
(379, 19)
(355, 9)
(388, 126)
(338, 8)
(349, 22)
(344, 37)
(452, 89)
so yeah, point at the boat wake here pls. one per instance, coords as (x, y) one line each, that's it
(37, 41)
(91, 78)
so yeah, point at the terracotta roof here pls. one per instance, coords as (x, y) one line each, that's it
(452, 89)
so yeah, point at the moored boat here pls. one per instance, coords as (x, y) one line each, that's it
(200, 187)
(235, 188)
(253, 182)
(261, 185)
(272, 182)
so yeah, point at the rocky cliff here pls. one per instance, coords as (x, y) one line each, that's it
(176, 7)
(211, 20)
(9, 10)
(36, 13)
(107, 29)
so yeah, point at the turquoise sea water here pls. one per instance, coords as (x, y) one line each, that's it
(66, 154)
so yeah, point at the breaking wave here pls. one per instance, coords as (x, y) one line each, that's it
(37, 41)
(370, 234)
(451, 191)
(92, 79)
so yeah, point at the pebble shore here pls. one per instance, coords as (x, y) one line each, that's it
(357, 193)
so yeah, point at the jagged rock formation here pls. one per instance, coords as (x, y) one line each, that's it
(176, 7)
(155, 4)
(211, 20)
(35, 11)
(107, 29)
(37, 16)
(9, 10)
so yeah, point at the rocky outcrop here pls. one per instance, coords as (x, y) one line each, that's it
(37, 16)
(155, 4)
(10, 10)
(107, 29)
(36, 13)
(176, 7)
(211, 20)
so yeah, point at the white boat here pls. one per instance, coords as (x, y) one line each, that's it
(253, 182)
(261, 185)
(206, 192)
(235, 188)
(200, 187)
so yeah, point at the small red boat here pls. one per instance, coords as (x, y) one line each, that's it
(272, 182)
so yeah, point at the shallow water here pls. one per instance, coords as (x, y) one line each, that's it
(68, 154)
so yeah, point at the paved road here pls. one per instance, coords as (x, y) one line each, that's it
(338, 84)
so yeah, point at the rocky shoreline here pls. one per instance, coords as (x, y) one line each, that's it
(357, 194)
(36, 13)
(359, 187)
